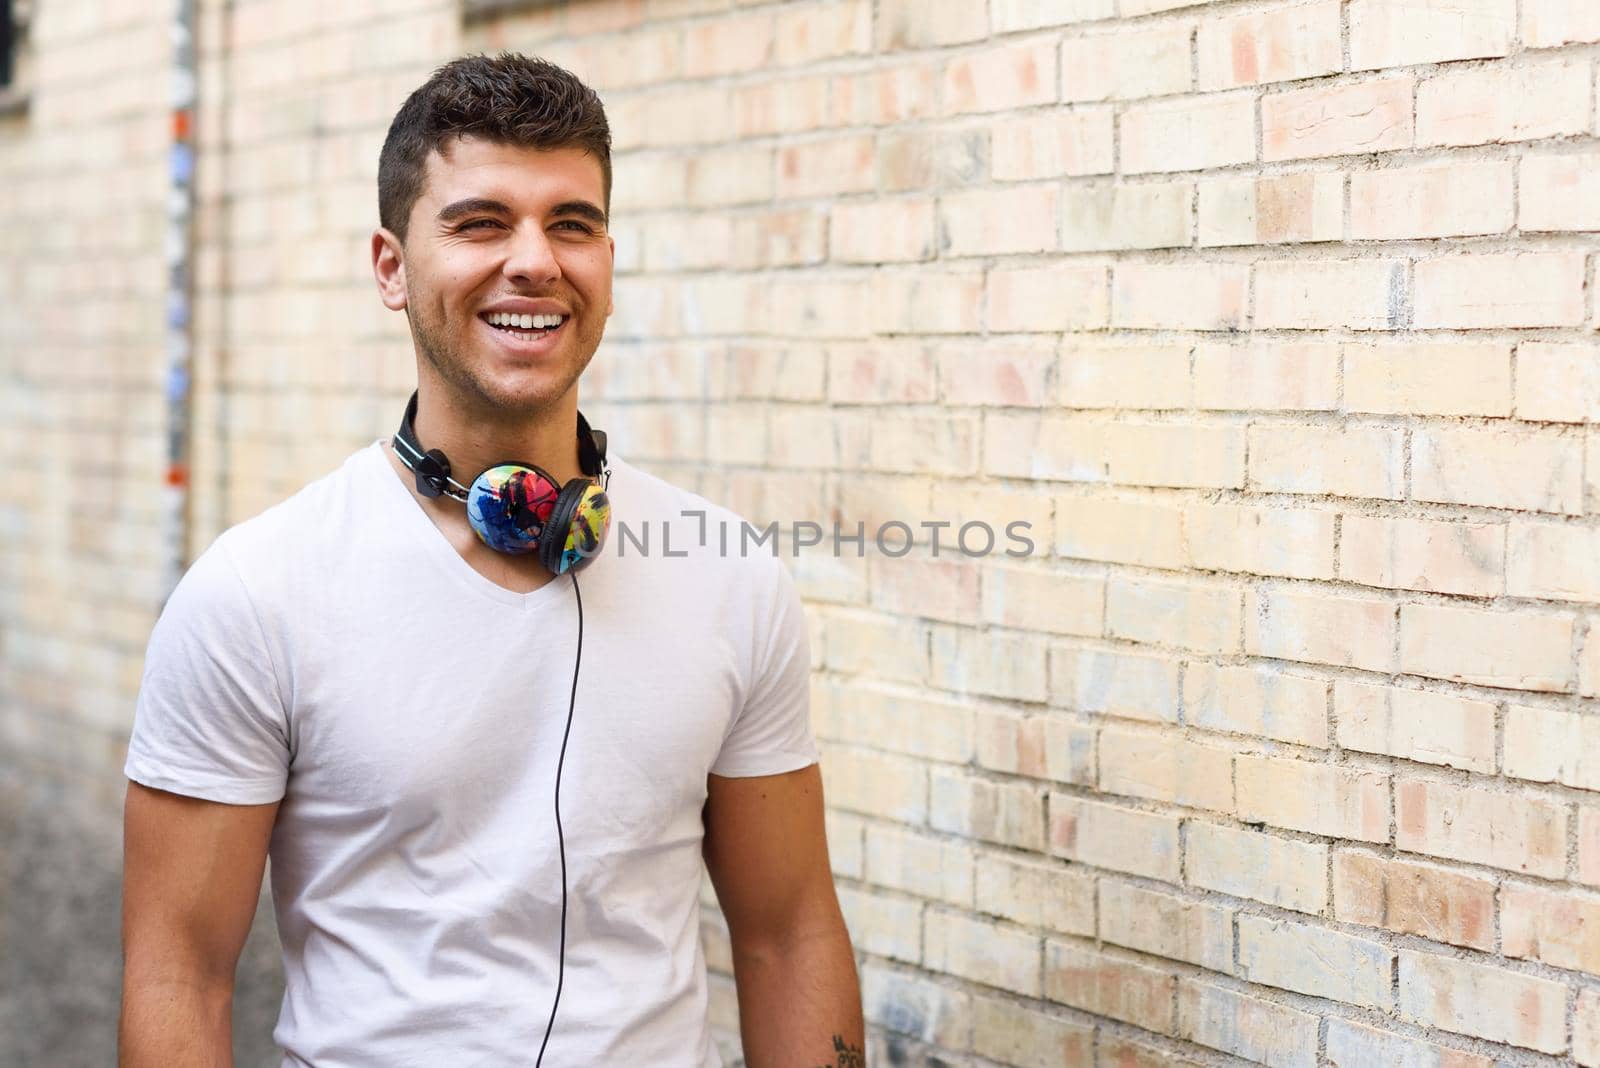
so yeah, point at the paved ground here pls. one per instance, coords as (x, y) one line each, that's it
(61, 943)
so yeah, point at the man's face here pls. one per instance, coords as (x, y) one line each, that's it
(518, 230)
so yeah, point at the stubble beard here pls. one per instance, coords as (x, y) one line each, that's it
(434, 343)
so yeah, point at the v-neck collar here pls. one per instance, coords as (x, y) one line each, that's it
(439, 548)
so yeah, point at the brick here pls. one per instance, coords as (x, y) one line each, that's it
(947, 444)
(1294, 543)
(1558, 383)
(1114, 374)
(1431, 201)
(1247, 1027)
(1188, 296)
(1263, 701)
(1341, 120)
(1493, 104)
(1560, 192)
(845, 834)
(1108, 986)
(1097, 834)
(924, 302)
(1353, 461)
(1422, 899)
(1188, 134)
(1100, 682)
(966, 661)
(1008, 16)
(779, 238)
(1006, 813)
(828, 167)
(1553, 561)
(1483, 1001)
(811, 35)
(1281, 45)
(1120, 530)
(1423, 554)
(917, 863)
(1427, 379)
(875, 784)
(878, 923)
(907, 1004)
(1536, 471)
(729, 45)
(1320, 628)
(1420, 725)
(1184, 614)
(905, 24)
(1330, 295)
(1552, 745)
(1165, 767)
(1028, 515)
(1586, 1029)
(1083, 449)
(1015, 1034)
(1512, 650)
(1047, 895)
(1589, 660)
(990, 221)
(1040, 747)
(1267, 375)
(1165, 925)
(1559, 927)
(1052, 144)
(922, 157)
(1479, 292)
(1116, 1052)
(1589, 845)
(998, 372)
(887, 648)
(1051, 298)
(1352, 1045)
(1328, 964)
(1316, 798)
(881, 372)
(1277, 209)
(1479, 826)
(1001, 78)
(898, 722)
(1031, 597)
(1124, 216)
(1125, 64)
(1551, 23)
(882, 96)
(1397, 33)
(994, 954)
(882, 231)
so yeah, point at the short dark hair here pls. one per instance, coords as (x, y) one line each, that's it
(511, 99)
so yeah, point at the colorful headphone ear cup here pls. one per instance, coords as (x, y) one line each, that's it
(577, 527)
(509, 506)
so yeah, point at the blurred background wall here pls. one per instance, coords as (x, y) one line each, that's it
(1275, 318)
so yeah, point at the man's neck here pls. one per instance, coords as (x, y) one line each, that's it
(473, 441)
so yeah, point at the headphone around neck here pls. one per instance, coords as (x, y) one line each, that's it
(517, 507)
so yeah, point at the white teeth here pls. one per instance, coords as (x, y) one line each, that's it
(524, 322)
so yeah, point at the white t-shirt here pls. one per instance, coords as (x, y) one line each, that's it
(336, 652)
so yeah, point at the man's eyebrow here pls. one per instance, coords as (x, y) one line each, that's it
(472, 205)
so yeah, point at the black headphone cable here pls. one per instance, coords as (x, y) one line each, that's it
(560, 841)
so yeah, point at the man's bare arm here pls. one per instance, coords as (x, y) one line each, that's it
(191, 877)
(767, 853)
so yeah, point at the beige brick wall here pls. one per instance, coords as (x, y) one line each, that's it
(1275, 318)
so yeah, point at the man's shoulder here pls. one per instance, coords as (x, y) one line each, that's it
(660, 518)
(302, 525)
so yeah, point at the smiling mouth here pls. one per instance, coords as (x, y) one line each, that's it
(526, 327)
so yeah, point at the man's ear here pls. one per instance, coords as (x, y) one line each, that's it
(389, 268)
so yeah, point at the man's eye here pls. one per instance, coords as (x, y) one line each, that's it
(479, 222)
(574, 222)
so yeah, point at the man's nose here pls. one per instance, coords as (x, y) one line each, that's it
(530, 257)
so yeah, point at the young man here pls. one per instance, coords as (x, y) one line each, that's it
(486, 783)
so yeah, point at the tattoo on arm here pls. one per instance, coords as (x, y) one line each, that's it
(848, 1056)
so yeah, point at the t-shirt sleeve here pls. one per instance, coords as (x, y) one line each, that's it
(772, 732)
(210, 720)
